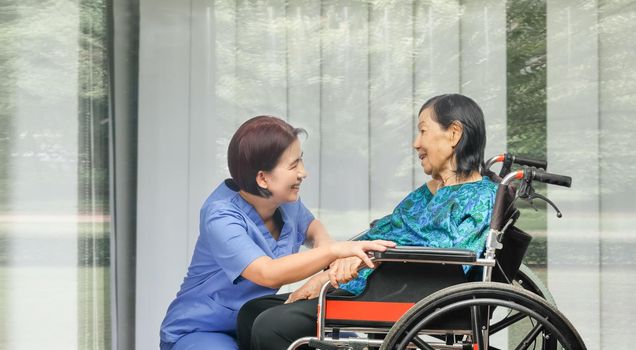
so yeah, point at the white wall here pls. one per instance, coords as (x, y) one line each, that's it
(164, 221)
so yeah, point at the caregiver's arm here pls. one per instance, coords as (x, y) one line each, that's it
(274, 273)
(317, 234)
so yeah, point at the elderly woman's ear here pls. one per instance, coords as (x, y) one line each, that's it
(455, 131)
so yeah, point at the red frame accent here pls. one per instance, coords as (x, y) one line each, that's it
(365, 310)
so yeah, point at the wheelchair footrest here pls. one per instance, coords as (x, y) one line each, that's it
(356, 344)
(323, 345)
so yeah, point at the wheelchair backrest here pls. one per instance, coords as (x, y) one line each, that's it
(514, 240)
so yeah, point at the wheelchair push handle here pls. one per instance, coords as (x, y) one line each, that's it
(508, 159)
(533, 174)
(526, 190)
(553, 179)
(537, 163)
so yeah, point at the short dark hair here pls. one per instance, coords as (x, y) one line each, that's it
(449, 108)
(256, 146)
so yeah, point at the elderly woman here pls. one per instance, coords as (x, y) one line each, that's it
(250, 231)
(452, 210)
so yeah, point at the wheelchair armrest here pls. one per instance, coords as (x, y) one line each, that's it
(417, 254)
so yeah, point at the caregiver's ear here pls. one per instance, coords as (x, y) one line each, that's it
(261, 179)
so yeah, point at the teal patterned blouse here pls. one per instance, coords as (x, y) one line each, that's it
(457, 216)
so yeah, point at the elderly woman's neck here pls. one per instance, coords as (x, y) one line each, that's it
(452, 178)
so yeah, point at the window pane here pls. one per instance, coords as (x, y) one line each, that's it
(54, 181)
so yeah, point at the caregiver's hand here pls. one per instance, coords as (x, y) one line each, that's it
(359, 249)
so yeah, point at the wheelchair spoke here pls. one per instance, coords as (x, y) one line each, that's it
(476, 319)
(421, 343)
(506, 322)
(530, 338)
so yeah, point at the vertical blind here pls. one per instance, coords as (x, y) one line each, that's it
(553, 78)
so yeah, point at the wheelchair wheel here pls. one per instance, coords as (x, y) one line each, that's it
(528, 280)
(497, 310)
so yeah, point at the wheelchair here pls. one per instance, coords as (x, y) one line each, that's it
(420, 297)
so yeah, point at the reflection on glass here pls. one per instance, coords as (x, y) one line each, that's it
(54, 197)
(526, 99)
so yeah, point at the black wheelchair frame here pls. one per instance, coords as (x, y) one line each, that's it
(404, 308)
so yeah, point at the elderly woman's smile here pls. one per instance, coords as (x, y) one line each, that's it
(435, 145)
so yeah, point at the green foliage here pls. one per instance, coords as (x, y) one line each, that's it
(527, 106)
(526, 75)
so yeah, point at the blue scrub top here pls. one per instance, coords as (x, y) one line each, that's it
(231, 236)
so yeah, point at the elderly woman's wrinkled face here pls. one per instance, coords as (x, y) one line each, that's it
(434, 146)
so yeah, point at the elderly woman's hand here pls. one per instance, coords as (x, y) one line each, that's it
(344, 270)
(309, 290)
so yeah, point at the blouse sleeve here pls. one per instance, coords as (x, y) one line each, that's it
(229, 243)
(474, 232)
(303, 218)
(474, 224)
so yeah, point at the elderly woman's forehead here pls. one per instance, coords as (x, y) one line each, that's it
(425, 117)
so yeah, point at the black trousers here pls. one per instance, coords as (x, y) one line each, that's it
(266, 323)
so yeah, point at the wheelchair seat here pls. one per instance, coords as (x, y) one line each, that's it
(396, 285)
(409, 274)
